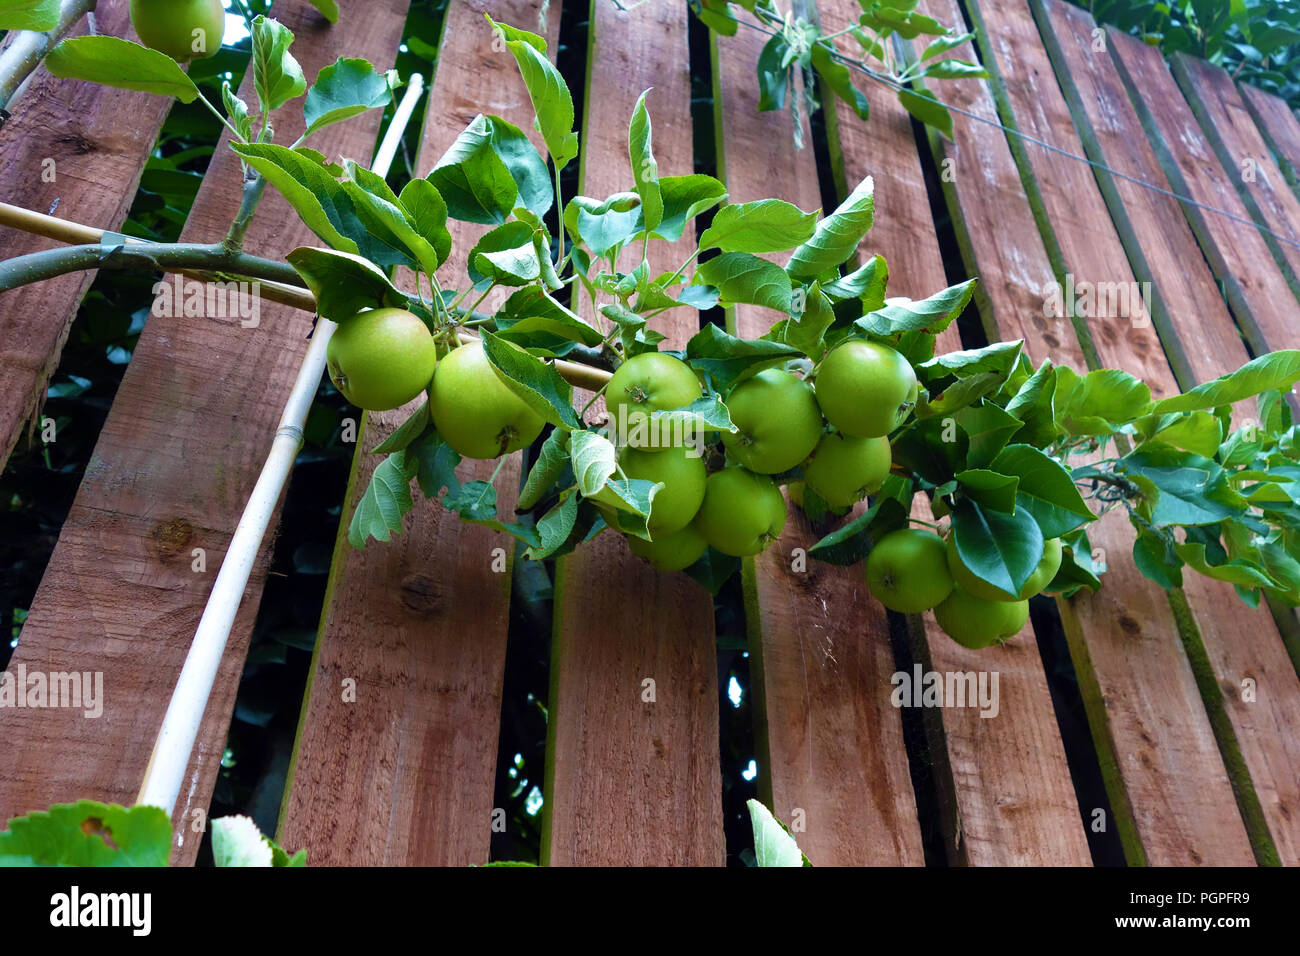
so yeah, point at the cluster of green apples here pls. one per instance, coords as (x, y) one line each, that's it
(914, 570)
(834, 429)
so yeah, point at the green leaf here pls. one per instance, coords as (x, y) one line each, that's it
(387, 221)
(807, 331)
(1276, 370)
(111, 61)
(1000, 357)
(931, 315)
(645, 171)
(866, 283)
(704, 414)
(632, 502)
(1199, 432)
(328, 9)
(506, 255)
(555, 527)
(345, 89)
(1046, 490)
(837, 236)
(546, 471)
(236, 111)
(773, 845)
(37, 15)
(836, 76)
(1034, 404)
(433, 462)
(1239, 572)
(603, 225)
(989, 428)
(344, 283)
(1100, 401)
(684, 198)
(594, 460)
(714, 15)
(923, 105)
(236, 841)
(767, 225)
(537, 383)
(426, 213)
(1002, 549)
(277, 77)
(944, 44)
(531, 313)
(87, 833)
(725, 359)
(1190, 490)
(955, 70)
(743, 277)
(386, 500)
(488, 170)
(552, 102)
(1157, 560)
(932, 449)
(853, 541)
(407, 432)
(989, 488)
(773, 69)
(960, 394)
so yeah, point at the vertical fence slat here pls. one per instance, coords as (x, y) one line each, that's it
(1006, 778)
(830, 744)
(631, 780)
(1240, 642)
(1166, 778)
(1257, 290)
(1232, 134)
(1280, 128)
(403, 774)
(67, 144)
(173, 467)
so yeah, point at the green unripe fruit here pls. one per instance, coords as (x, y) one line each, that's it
(644, 384)
(865, 389)
(907, 571)
(845, 470)
(974, 622)
(474, 411)
(683, 475)
(671, 552)
(742, 512)
(1048, 565)
(183, 29)
(779, 421)
(381, 358)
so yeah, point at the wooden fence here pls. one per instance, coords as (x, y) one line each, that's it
(1194, 774)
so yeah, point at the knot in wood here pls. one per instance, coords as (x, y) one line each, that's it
(171, 537)
(421, 594)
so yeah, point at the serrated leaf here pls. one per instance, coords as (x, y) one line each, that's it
(603, 225)
(923, 105)
(594, 459)
(386, 500)
(807, 331)
(684, 198)
(743, 277)
(115, 62)
(277, 77)
(552, 102)
(838, 78)
(773, 845)
(407, 432)
(867, 283)
(537, 383)
(546, 471)
(531, 312)
(344, 283)
(79, 834)
(837, 236)
(726, 359)
(236, 841)
(853, 541)
(236, 111)
(1002, 549)
(1000, 357)
(1276, 370)
(1191, 490)
(645, 171)
(766, 225)
(555, 527)
(37, 15)
(989, 488)
(1099, 402)
(931, 315)
(1046, 490)
(345, 88)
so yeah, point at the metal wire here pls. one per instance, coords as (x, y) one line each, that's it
(859, 67)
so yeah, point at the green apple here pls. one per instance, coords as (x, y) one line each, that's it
(865, 389)
(381, 358)
(845, 470)
(671, 552)
(974, 622)
(644, 384)
(183, 29)
(1048, 565)
(907, 571)
(683, 475)
(474, 411)
(778, 420)
(742, 512)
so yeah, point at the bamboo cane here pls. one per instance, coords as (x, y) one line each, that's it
(165, 773)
